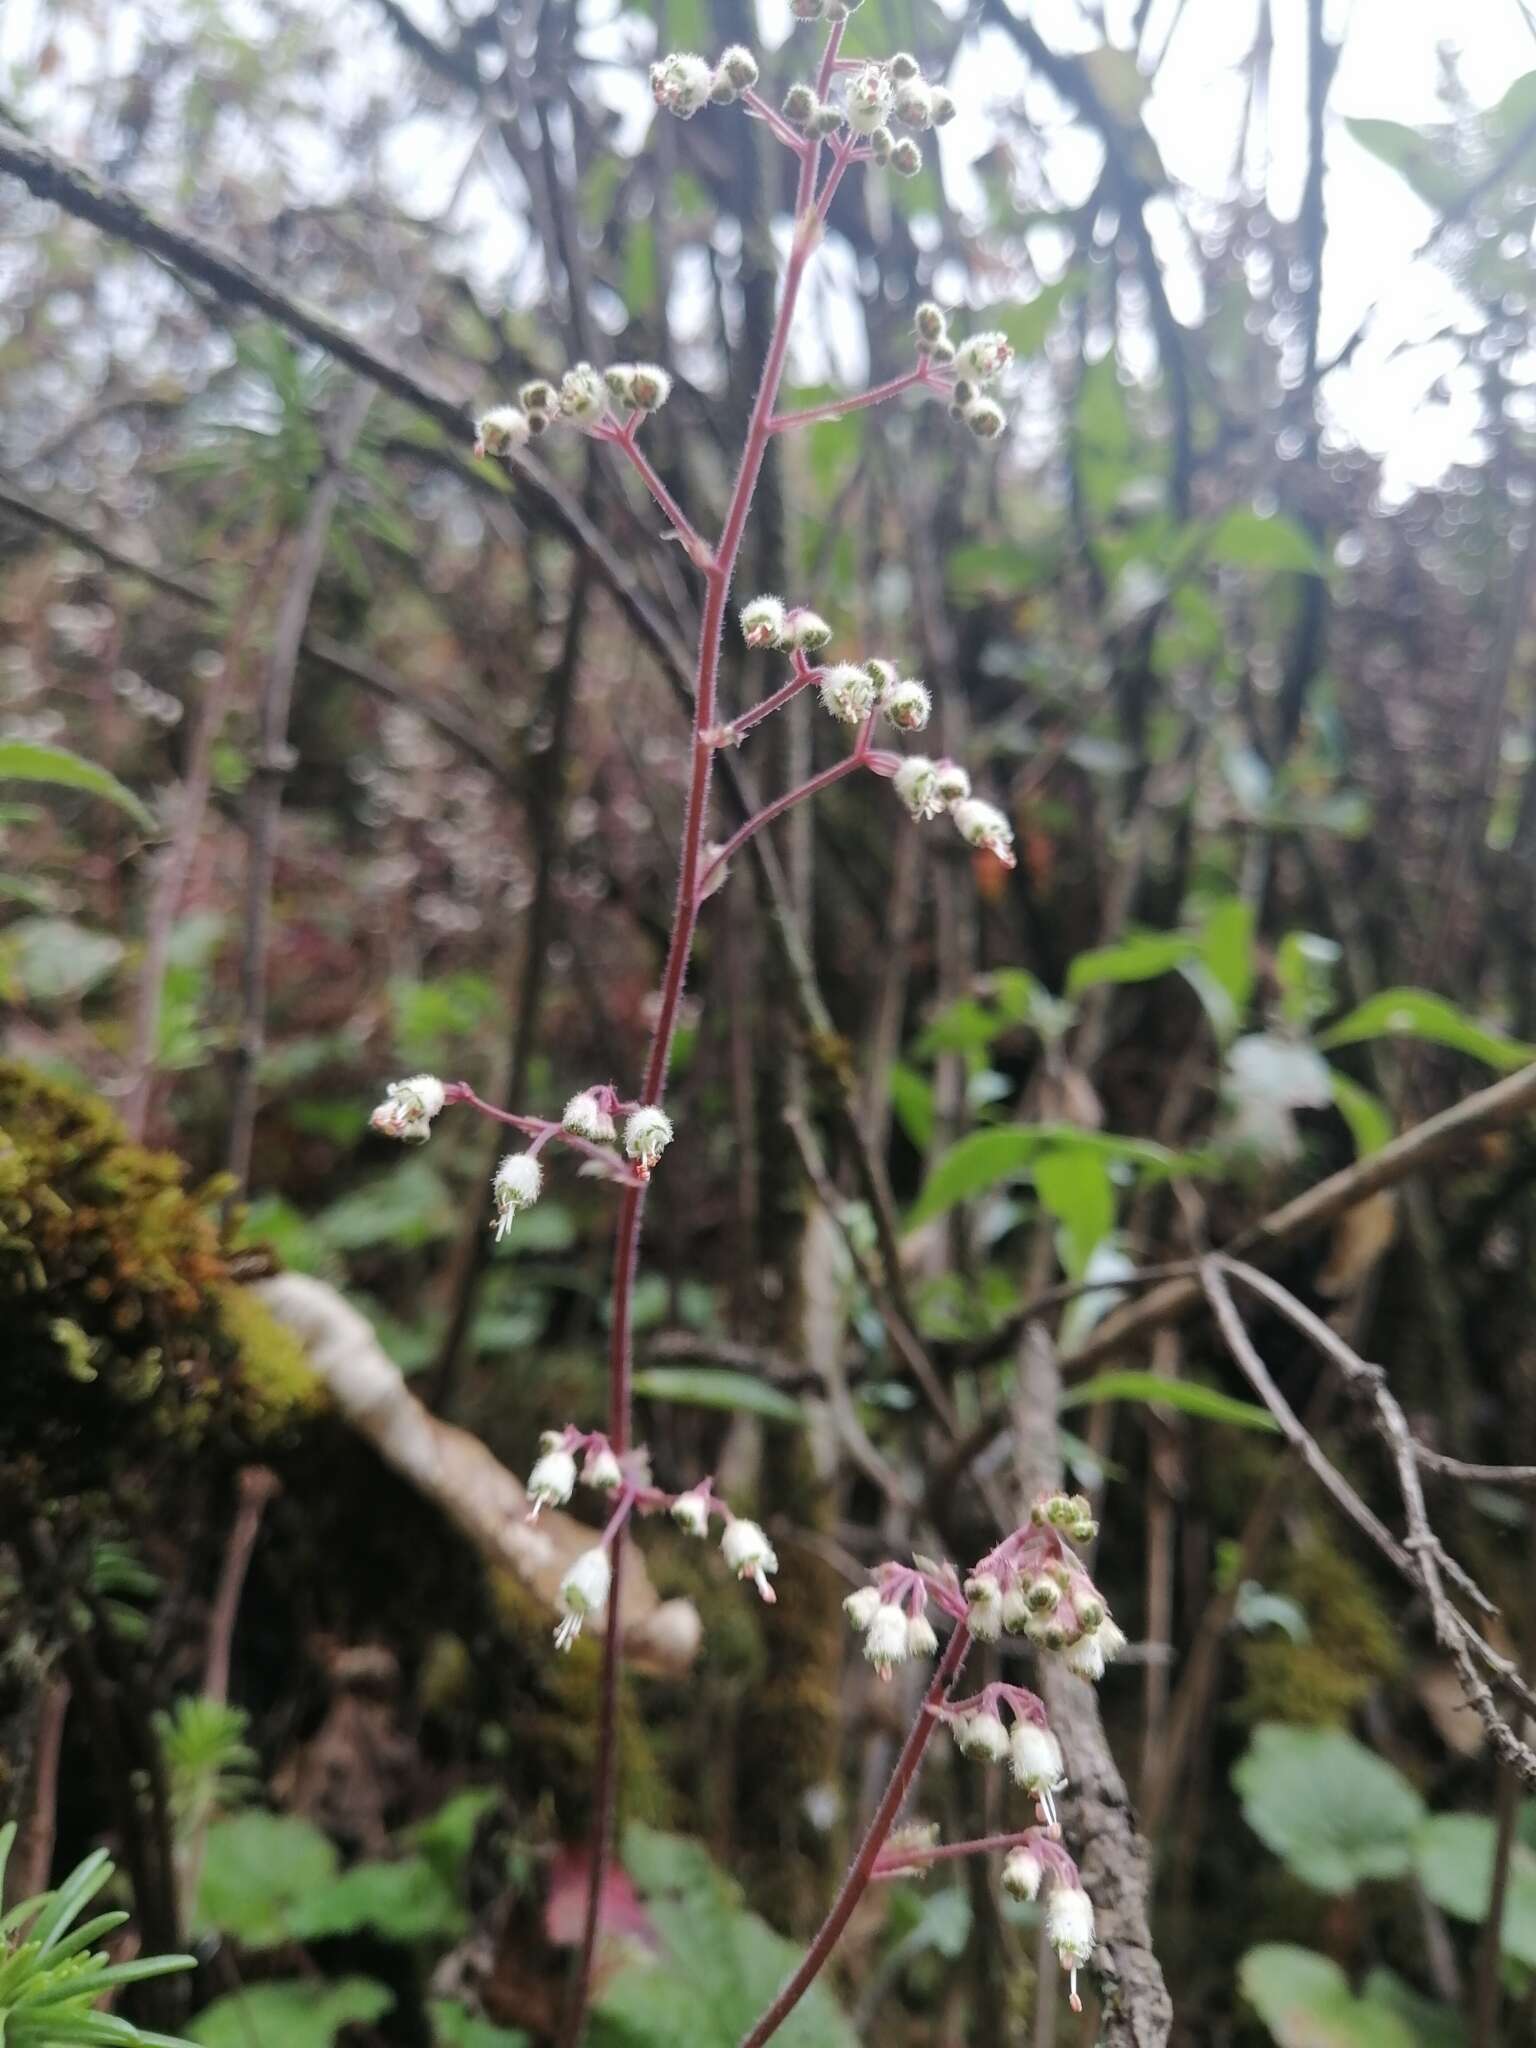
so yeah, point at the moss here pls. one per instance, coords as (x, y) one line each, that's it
(1351, 1646)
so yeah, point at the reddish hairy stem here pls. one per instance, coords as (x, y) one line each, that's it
(755, 104)
(862, 1869)
(797, 682)
(777, 808)
(717, 586)
(694, 543)
(836, 408)
(946, 1852)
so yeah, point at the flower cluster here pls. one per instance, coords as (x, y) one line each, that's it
(892, 1614)
(1032, 1585)
(929, 788)
(977, 363)
(585, 1587)
(589, 1122)
(1032, 1751)
(584, 398)
(849, 690)
(682, 83)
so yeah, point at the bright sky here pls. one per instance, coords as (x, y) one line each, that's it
(1396, 399)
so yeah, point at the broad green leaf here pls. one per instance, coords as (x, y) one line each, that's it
(708, 1386)
(257, 1868)
(1189, 1397)
(1454, 1857)
(912, 1100)
(1335, 1812)
(1425, 158)
(1073, 1183)
(984, 1158)
(1245, 539)
(1141, 957)
(31, 761)
(405, 1900)
(446, 1837)
(308, 2014)
(406, 1206)
(1415, 1013)
(1430, 2025)
(1226, 951)
(1369, 1119)
(54, 961)
(453, 2026)
(1305, 2001)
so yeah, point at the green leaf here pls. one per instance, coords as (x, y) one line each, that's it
(405, 1207)
(309, 2014)
(1430, 2025)
(446, 1837)
(1305, 2001)
(406, 1901)
(1244, 539)
(1415, 1013)
(1027, 326)
(258, 1868)
(1141, 957)
(1454, 1856)
(453, 2026)
(1424, 158)
(1369, 1119)
(708, 1386)
(1073, 1183)
(30, 761)
(1335, 1812)
(1189, 1397)
(56, 961)
(1226, 951)
(982, 1159)
(912, 1100)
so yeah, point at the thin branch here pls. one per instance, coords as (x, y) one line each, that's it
(694, 544)
(839, 408)
(776, 809)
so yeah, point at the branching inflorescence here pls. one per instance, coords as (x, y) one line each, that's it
(1031, 1584)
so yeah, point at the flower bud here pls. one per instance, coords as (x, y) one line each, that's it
(750, 1555)
(806, 10)
(1069, 1924)
(650, 386)
(869, 99)
(583, 398)
(763, 622)
(721, 91)
(739, 66)
(515, 1186)
(1015, 1610)
(916, 783)
(800, 102)
(861, 1607)
(847, 692)
(585, 1117)
(929, 324)
(690, 1511)
(904, 66)
(941, 107)
(906, 158)
(914, 104)
(680, 84)
(883, 674)
(954, 784)
(619, 378)
(809, 632)
(583, 1593)
(1035, 1757)
(907, 705)
(922, 1640)
(839, 10)
(1090, 1610)
(881, 143)
(983, 826)
(826, 120)
(984, 1596)
(980, 1736)
(985, 356)
(985, 418)
(408, 1109)
(537, 396)
(553, 1478)
(1042, 1595)
(1023, 1873)
(942, 353)
(1085, 1659)
(647, 1134)
(501, 430)
(602, 1469)
(885, 1640)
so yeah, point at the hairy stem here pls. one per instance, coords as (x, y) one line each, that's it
(776, 809)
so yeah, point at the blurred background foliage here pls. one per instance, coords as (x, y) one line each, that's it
(1252, 678)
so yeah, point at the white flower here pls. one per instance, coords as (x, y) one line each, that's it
(647, 1134)
(690, 1511)
(680, 83)
(1042, 1595)
(1023, 1873)
(1085, 1658)
(983, 825)
(847, 692)
(984, 1597)
(602, 1469)
(885, 1641)
(408, 1108)
(583, 1593)
(981, 1736)
(861, 1607)
(869, 99)
(907, 704)
(585, 1117)
(1036, 1759)
(921, 1639)
(1015, 1609)
(1069, 1924)
(501, 430)
(809, 632)
(645, 387)
(985, 418)
(515, 1186)
(583, 396)
(984, 356)
(916, 782)
(739, 66)
(906, 158)
(553, 1478)
(762, 622)
(953, 783)
(750, 1555)
(929, 324)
